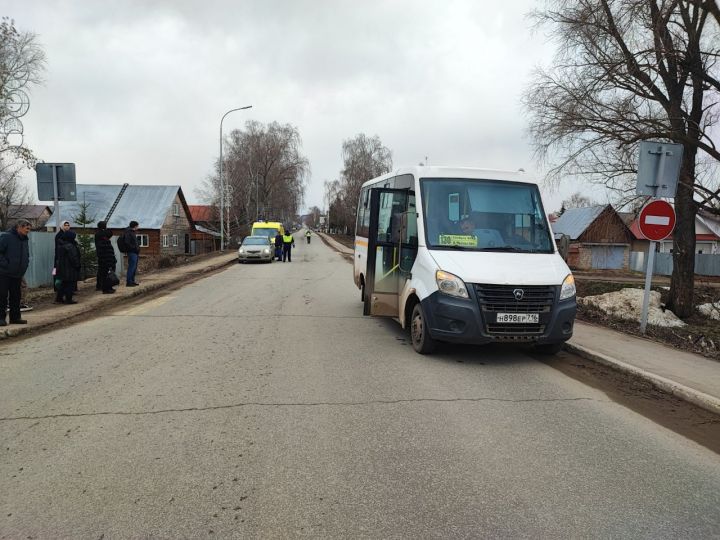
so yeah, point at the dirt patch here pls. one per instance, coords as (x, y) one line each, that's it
(344, 239)
(688, 420)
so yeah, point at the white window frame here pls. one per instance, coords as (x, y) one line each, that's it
(143, 240)
(174, 240)
(165, 241)
(176, 209)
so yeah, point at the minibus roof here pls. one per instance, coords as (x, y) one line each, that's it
(457, 172)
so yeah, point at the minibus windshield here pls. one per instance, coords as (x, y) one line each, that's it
(484, 215)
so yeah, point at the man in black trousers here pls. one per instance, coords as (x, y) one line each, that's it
(14, 260)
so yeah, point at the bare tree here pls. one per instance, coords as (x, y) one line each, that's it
(265, 173)
(13, 194)
(363, 158)
(628, 71)
(22, 62)
(577, 200)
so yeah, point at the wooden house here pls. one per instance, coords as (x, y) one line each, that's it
(599, 239)
(165, 223)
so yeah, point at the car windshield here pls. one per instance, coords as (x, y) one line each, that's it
(255, 241)
(484, 215)
(267, 232)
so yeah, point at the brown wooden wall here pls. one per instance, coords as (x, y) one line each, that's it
(608, 228)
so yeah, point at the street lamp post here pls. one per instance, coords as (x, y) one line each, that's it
(222, 184)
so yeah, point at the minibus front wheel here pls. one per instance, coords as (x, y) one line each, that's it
(419, 331)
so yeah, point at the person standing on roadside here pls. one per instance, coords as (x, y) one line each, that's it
(133, 252)
(58, 237)
(288, 242)
(105, 256)
(68, 267)
(278, 246)
(14, 260)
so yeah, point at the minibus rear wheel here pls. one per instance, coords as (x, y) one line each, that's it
(419, 333)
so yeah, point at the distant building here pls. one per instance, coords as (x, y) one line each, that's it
(707, 234)
(36, 214)
(206, 236)
(599, 239)
(165, 223)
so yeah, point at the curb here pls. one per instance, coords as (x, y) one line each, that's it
(701, 399)
(16, 331)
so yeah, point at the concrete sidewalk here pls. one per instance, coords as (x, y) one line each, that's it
(46, 314)
(688, 376)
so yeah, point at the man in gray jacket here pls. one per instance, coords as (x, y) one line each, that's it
(14, 259)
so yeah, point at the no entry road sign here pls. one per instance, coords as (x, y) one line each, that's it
(657, 220)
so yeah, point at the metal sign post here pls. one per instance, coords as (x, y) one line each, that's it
(656, 222)
(56, 205)
(648, 282)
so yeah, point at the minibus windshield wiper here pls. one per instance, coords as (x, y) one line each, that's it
(454, 246)
(501, 248)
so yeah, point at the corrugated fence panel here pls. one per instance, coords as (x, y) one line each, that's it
(42, 259)
(42, 256)
(663, 264)
(705, 265)
(637, 261)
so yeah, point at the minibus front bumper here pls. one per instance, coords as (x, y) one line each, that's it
(468, 320)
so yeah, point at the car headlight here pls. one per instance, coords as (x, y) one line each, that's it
(241, 250)
(266, 251)
(568, 287)
(450, 284)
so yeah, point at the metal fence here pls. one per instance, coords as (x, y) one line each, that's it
(705, 265)
(42, 259)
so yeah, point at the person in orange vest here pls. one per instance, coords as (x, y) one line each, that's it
(288, 244)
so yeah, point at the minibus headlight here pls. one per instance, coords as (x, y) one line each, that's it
(450, 284)
(568, 288)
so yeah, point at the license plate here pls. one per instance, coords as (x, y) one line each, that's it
(518, 318)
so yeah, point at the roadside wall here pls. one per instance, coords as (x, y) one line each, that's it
(42, 259)
(705, 265)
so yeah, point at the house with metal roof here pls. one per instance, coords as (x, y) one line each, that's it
(165, 222)
(707, 234)
(599, 239)
(36, 214)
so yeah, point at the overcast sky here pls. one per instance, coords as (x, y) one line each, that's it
(134, 90)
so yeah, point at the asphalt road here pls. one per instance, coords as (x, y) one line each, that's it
(259, 403)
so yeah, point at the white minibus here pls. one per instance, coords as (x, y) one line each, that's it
(463, 256)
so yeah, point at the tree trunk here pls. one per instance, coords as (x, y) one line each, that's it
(683, 276)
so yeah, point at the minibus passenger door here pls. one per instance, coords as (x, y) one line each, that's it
(382, 282)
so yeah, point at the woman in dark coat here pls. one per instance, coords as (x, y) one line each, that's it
(68, 267)
(105, 256)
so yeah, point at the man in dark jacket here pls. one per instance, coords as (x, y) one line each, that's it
(105, 256)
(133, 252)
(14, 260)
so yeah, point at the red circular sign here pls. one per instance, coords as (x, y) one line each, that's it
(657, 220)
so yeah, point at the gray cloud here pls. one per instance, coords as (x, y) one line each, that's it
(135, 90)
